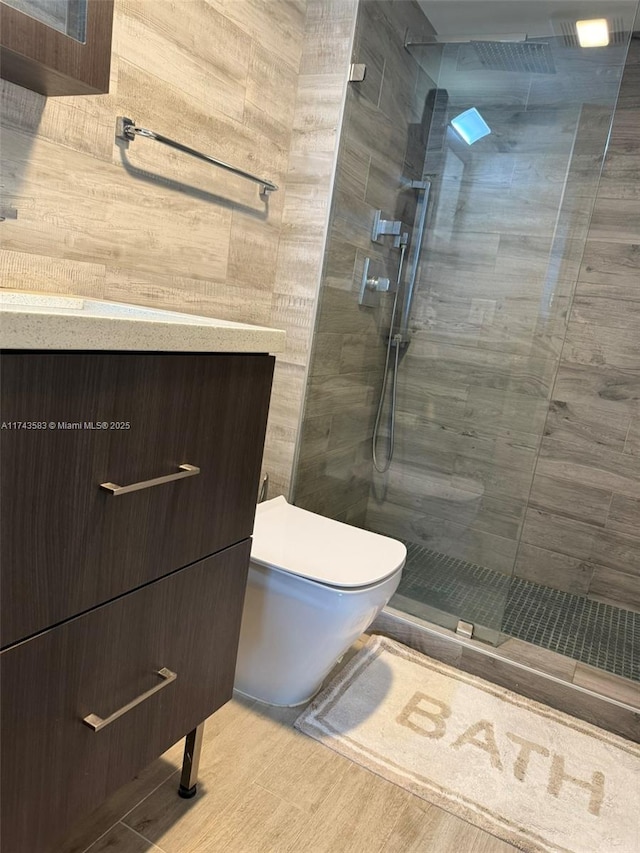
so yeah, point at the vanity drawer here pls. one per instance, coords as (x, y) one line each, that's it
(54, 767)
(66, 544)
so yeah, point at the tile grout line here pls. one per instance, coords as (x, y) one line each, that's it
(135, 832)
(127, 813)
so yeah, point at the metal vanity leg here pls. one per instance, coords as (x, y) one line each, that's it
(192, 748)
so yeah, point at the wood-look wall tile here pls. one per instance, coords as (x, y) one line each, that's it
(607, 390)
(446, 537)
(624, 131)
(557, 533)
(590, 465)
(329, 394)
(278, 27)
(315, 435)
(84, 124)
(297, 270)
(617, 588)
(223, 299)
(271, 84)
(610, 269)
(333, 497)
(352, 171)
(616, 550)
(101, 219)
(624, 514)
(632, 442)
(601, 311)
(361, 352)
(571, 499)
(293, 313)
(606, 344)
(25, 271)
(615, 221)
(178, 47)
(340, 261)
(319, 101)
(553, 569)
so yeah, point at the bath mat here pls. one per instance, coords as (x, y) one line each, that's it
(533, 776)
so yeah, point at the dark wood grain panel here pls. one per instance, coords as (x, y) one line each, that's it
(66, 545)
(55, 768)
(40, 58)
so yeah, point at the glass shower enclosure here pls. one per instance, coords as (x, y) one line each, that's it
(442, 408)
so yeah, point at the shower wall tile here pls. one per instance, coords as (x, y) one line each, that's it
(617, 550)
(606, 344)
(592, 435)
(346, 370)
(570, 499)
(557, 533)
(590, 465)
(615, 587)
(447, 537)
(615, 220)
(550, 568)
(632, 443)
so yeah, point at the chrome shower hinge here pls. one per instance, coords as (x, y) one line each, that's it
(464, 629)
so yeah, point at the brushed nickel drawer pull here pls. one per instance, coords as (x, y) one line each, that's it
(185, 471)
(96, 723)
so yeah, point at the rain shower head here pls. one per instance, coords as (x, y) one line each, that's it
(532, 57)
(496, 53)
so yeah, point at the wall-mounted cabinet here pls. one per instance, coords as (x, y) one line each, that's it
(57, 47)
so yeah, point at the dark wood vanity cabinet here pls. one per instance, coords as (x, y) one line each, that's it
(109, 596)
(35, 54)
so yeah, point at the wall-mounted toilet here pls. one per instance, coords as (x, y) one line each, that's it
(314, 586)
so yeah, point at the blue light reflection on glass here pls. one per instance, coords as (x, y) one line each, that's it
(470, 126)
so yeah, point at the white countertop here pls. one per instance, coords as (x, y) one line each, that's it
(51, 321)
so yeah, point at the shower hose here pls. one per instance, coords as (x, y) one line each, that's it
(393, 340)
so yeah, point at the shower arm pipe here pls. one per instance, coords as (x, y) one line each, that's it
(424, 190)
(127, 130)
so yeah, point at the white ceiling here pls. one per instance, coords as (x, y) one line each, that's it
(486, 18)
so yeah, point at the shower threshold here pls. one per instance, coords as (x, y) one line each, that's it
(444, 589)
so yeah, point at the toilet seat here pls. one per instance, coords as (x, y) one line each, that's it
(320, 549)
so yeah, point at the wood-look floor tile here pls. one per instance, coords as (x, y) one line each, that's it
(112, 810)
(231, 759)
(420, 829)
(305, 774)
(121, 839)
(357, 816)
(258, 821)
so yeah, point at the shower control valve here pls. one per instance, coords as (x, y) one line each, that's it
(378, 284)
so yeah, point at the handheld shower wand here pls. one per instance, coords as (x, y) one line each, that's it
(393, 340)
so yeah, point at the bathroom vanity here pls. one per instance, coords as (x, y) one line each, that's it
(128, 488)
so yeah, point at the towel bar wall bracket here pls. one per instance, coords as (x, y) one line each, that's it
(127, 131)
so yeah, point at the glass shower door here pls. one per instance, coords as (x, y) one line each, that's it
(513, 163)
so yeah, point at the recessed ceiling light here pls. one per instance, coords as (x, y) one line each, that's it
(593, 33)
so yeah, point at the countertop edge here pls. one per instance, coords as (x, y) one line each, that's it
(30, 331)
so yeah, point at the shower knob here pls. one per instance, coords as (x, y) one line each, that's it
(378, 284)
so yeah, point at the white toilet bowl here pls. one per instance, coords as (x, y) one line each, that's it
(314, 586)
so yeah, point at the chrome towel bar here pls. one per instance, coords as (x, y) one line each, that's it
(126, 129)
